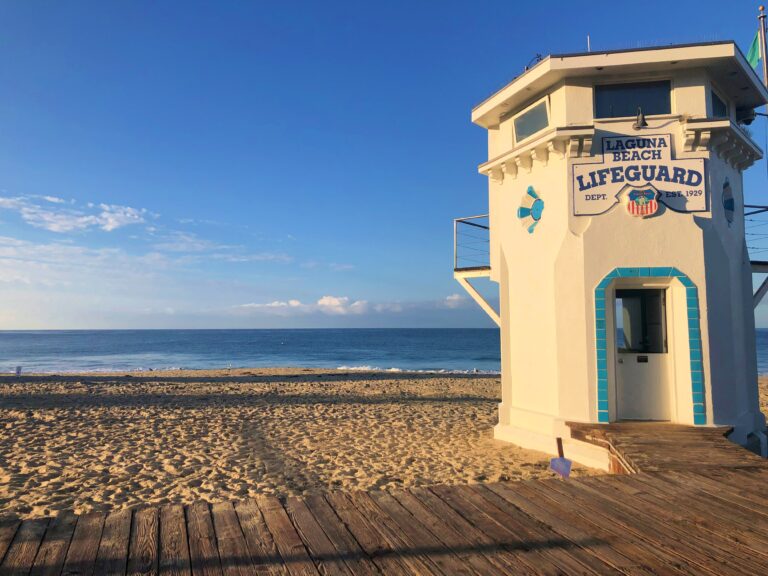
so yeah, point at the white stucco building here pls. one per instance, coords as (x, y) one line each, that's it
(617, 241)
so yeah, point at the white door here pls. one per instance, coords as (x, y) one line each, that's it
(642, 372)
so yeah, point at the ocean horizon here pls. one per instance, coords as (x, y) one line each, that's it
(397, 349)
(450, 350)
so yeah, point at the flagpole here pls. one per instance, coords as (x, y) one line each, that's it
(763, 50)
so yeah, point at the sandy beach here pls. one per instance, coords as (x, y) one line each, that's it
(101, 441)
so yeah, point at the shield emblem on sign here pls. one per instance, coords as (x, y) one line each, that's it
(642, 202)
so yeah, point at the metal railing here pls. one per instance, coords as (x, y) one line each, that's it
(756, 230)
(471, 243)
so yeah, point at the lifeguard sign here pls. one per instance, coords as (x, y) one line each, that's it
(618, 244)
(632, 162)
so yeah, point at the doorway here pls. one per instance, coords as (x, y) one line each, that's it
(642, 354)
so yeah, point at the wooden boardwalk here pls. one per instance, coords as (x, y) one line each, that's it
(656, 446)
(697, 506)
(715, 522)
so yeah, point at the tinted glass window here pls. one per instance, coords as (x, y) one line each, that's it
(719, 108)
(641, 321)
(531, 122)
(617, 100)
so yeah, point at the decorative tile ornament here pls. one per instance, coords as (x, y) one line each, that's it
(531, 209)
(729, 203)
(642, 202)
(694, 338)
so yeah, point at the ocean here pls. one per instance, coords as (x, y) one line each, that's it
(449, 350)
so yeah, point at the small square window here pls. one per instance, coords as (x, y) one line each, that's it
(531, 121)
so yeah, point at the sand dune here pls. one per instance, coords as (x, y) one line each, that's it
(105, 441)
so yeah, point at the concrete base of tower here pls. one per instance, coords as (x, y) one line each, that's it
(543, 437)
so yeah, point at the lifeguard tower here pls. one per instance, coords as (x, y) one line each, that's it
(616, 236)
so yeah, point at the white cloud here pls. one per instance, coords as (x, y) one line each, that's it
(274, 304)
(341, 305)
(107, 217)
(54, 199)
(454, 301)
(113, 216)
(331, 305)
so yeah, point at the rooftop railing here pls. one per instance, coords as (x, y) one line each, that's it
(471, 243)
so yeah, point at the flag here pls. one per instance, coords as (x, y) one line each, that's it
(753, 56)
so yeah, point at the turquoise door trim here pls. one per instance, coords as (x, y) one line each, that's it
(694, 338)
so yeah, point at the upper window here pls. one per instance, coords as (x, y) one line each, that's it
(618, 100)
(719, 107)
(531, 121)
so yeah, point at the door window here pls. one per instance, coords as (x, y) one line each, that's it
(641, 321)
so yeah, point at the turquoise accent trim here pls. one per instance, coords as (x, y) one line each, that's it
(694, 343)
(696, 355)
(660, 272)
(694, 337)
(694, 334)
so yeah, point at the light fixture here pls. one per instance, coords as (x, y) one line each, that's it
(640, 122)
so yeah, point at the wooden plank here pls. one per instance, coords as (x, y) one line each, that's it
(53, 550)
(570, 555)
(174, 547)
(723, 522)
(320, 548)
(20, 557)
(417, 560)
(440, 554)
(81, 556)
(345, 544)
(457, 542)
(261, 547)
(686, 544)
(288, 542)
(735, 487)
(682, 515)
(112, 557)
(562, 517)
(493, 550)
(233, 551)
(8, 527)
(380, 549)
(145, 536)
(549, 548)
(204, 556)
(508, 533)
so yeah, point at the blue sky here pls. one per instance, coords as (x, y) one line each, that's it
(267, 164)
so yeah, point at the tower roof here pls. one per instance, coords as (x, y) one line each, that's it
(723, 60)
